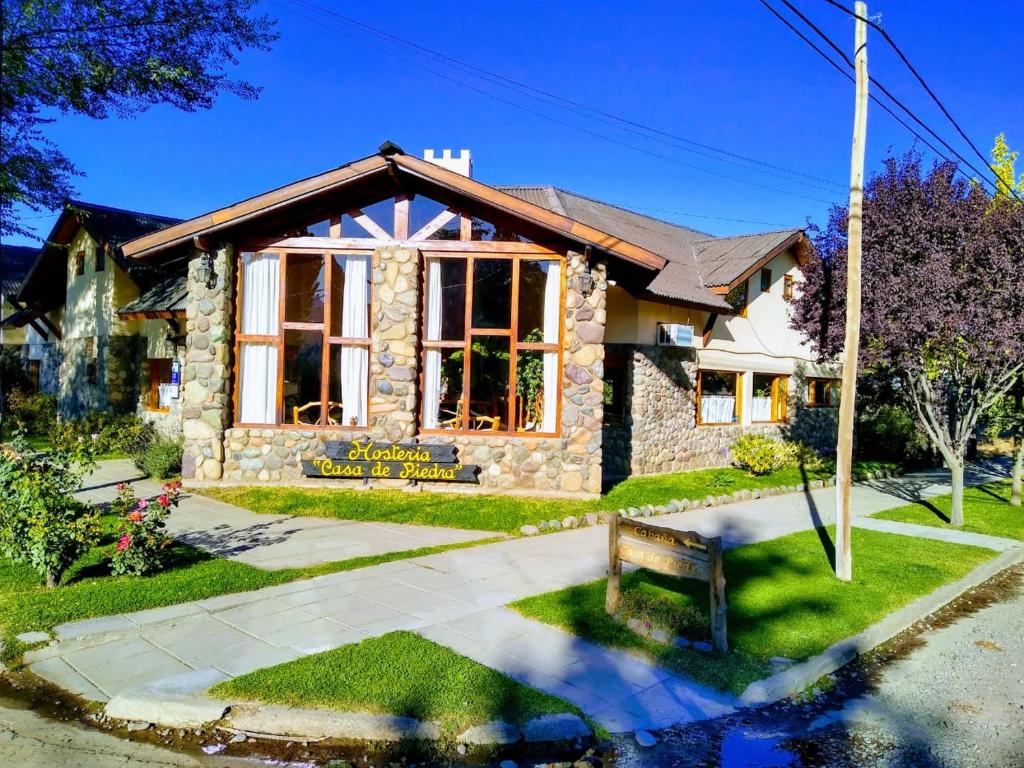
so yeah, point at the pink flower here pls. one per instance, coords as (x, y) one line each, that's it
(143, 503)
(164, 501)
(136, 516)
(124, 542)
(122, 487)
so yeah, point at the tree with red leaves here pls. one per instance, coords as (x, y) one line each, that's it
(943, 298)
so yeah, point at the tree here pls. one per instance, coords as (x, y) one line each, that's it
(943, 298)
(103, 57)
(1007, 182)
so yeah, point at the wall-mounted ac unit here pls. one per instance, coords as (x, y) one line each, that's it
(675, 335)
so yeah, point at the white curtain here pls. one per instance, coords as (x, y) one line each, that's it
(261, 287)
(761, 409)
(717, 409)
(552, 324)
(354, 324)
(432, 359)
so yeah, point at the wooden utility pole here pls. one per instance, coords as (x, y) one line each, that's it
(844, 447)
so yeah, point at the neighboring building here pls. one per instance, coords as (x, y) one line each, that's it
(553, 340)
(34, 334)
(110, 360)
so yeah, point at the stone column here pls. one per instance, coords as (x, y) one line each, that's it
(206, 400)
(395, 336)
(583, 379)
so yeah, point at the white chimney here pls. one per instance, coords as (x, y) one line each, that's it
(461, 164)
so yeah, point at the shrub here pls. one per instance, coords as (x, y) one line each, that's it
(890, 433)
(107, 433)
(142, 544)
(32, 412)
(41, 522)
(160, 459)
(761, 455)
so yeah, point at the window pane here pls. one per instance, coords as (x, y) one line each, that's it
(536, 391)
(446, 300)
(257, 382)
(761, 406)
(492, 293)
(304, 288)
(718, 397)
(302, 371)
(350, 367)
(261, 286)
(488, 392)
(442, 389)
(766, 280)
(540, 296)
(350, 293)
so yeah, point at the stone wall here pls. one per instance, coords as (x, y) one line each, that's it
(124, 358)
(206, 392)
(80, 378)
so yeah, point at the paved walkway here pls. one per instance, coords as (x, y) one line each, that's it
(272, 541)
(455, 598)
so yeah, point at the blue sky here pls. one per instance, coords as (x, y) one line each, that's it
(719, 72)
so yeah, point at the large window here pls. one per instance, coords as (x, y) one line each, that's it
(304, 339)
(492, 340)
(769, 400)
(823, 393)
(718, 397)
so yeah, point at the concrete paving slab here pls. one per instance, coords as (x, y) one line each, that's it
(952, 535)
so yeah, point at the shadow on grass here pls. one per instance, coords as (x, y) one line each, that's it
(819, 526)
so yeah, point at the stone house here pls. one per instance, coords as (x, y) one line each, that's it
(550, 340)
(109, 354)
(32, 334)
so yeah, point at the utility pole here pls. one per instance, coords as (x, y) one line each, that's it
(844, 446)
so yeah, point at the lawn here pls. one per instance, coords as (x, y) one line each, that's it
(783, 600)
(497, 513)
(987, 510)
(89, 590)
(397, 674)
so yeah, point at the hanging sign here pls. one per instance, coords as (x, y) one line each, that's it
(391, 461)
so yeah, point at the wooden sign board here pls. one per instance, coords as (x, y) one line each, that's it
(676, 553)
(391, 461)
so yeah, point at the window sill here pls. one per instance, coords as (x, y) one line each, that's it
(299, 427)
(488, 433)
(719, 424)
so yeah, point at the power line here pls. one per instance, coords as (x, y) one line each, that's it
(572, 105)
(920, 79)
(515, 105)
(803, 17)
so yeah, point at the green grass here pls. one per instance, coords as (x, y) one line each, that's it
(89, 590)
(987, 510)
(397, 674)
(783, 600)
(498, 513)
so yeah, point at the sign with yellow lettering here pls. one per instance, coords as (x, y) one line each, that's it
(391, 461)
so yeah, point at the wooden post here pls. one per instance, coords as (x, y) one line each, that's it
(844, 447)
(716, 588)
(611, 598)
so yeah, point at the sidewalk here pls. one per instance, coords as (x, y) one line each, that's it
(454, 598)
(270, 541)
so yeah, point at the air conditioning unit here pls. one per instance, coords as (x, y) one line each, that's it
(675, 335)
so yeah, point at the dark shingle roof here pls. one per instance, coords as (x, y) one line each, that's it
(15, 263)
(723, 259)
(116, 225)
(167, 296)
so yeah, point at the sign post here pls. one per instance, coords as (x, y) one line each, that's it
(684, 554)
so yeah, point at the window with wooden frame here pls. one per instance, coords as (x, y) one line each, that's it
(766, 281)
(787, 287)
(823, 393)
(768, 404)
(303, 339)
(719, 397)
(100, 262)
(80, 263)
(492, 343)
(159, 375)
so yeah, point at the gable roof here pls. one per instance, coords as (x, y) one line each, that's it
(105, 225)
(724, 260)
(15, 263)
(167, 298)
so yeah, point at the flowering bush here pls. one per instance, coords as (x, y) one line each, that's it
(761, 455)
(107, 433)
(142, 544)
(41, 522)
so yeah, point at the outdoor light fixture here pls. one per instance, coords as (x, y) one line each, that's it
(204, 269)
(585, 281)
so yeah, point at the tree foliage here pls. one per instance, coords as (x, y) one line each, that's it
(943, 295)
(107, 57)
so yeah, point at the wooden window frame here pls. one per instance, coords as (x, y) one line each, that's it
(780, 398)
(100, 259)
(739, 398)
(766, 272)
(829, 384)
(153, 401)
(512, 333)
(277, 339)
(788, 283)
(80, 263)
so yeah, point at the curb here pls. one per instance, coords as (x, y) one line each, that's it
(800, 676)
